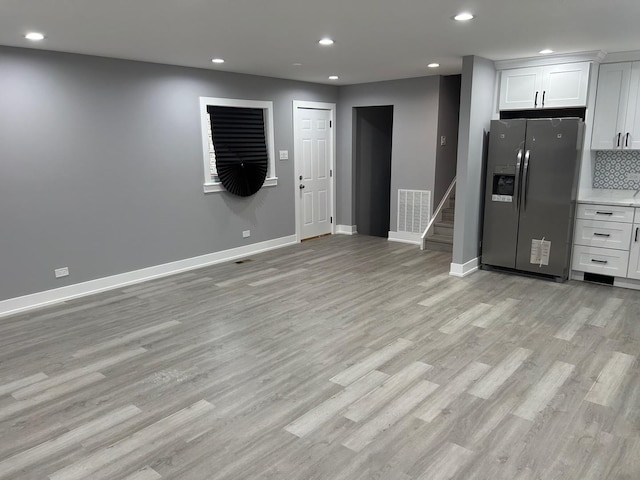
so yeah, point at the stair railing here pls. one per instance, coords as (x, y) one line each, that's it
(436, 214)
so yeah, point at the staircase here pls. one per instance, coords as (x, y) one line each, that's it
(442, 237)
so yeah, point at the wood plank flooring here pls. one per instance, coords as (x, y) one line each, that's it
(341, 358)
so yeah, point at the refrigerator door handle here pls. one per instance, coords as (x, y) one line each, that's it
(525, 179)
(516, 190)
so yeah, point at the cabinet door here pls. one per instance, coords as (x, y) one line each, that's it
(520, 88)
(611, 105)
(634, 253)
(631, 139)
(565, 85)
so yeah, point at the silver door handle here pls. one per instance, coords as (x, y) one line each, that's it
(516, 190)
(525, 179)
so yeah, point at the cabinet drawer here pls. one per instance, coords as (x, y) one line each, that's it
(595, 233)
(605, 213)
(604, 261)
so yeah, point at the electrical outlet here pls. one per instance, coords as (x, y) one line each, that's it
(443, 141)
(61, 272)
(246, 233)
(633, 177)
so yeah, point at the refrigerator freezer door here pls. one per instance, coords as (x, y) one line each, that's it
(547, 199)
(504, 163)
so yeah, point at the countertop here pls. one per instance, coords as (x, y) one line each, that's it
(604, 196)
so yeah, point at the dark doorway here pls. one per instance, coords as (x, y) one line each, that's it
(373, 133)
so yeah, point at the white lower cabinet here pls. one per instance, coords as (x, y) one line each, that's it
(604, 261)
(634, 252)
(607, 241)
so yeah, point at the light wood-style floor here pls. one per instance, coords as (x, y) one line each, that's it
(340, 358)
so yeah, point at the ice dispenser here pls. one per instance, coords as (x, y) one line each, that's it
(504, 180)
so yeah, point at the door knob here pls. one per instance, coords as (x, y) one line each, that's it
(300, 177)
(301, 186)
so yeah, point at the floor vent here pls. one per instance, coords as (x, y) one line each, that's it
(414, 210)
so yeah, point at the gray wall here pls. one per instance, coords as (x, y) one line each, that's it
(374, 129)
(101, 167)
(448, 118)
(415, 118)
(476, 110)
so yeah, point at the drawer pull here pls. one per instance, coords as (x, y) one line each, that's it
(637, 228)
(601, 234)
(604, 262)
(604, 213)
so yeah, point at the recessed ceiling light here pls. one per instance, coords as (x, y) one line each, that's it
(546, 51)
(34, 36)
(433, 65)
(217, 60)
(325, 41)
(297, 64)
(333, 77)
(463, 17)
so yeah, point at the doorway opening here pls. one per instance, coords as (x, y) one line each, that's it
(373, 144)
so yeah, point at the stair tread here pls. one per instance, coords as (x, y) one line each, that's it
(444, 224)
(440, 238)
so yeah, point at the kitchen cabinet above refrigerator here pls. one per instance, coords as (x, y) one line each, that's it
(552, 86)
(616, 123)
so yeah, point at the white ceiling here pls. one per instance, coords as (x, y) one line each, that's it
(375, 39)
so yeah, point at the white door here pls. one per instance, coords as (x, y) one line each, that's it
(314, 164)
(634, 257)
(611, 106)
(565, 85)
(520, 88)
(632, 135)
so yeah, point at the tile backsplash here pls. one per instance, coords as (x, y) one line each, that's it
(612, 167)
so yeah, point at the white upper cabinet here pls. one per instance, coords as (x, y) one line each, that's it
(616, 123)
(632, 124)
(553, 86)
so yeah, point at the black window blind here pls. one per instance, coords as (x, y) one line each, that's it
(240, 147)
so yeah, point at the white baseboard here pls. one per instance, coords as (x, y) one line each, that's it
(40, 299)
(464, 269)
(404, 237)
(346, 230)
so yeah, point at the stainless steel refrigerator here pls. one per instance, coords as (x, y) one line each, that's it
(531, 186)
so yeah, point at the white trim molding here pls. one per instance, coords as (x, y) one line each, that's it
(346, 230)
(58, 295)
(464, 269)
(405, 237)
(540, 61)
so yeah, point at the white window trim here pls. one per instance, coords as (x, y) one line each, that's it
(271, 180)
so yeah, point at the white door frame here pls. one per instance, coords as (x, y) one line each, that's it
(296, 155)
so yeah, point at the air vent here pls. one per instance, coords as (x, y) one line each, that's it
(414, 210)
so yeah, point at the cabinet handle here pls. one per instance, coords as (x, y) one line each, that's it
(543, 95)
(618, 142)
(626, 141)
(604, 262)
(637, 228)
(602, 234)
(604, 213)
(535, 102)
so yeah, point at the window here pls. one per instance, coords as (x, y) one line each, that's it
(225, 128)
